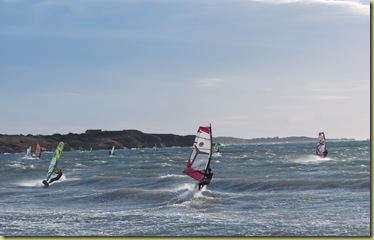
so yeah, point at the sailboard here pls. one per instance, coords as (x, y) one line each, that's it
(321, 145)
(201, 154)
(54, 161)
(38, 150)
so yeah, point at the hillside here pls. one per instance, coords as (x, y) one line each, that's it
(95, 139)
(99, 140)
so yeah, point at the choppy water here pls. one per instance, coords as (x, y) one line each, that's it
(257, 190)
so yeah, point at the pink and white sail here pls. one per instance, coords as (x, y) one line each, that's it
(321, 145)
(201, 154)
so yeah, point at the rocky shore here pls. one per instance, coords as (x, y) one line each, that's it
(93, 139)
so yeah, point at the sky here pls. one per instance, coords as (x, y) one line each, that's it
(250, 68)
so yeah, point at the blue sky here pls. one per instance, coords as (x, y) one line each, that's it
(253, 68)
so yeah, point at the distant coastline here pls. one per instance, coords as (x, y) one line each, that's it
(97, 139)
(233, 140)
(92, 139)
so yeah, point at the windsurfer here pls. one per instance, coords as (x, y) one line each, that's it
(59, 174)
(206, 180)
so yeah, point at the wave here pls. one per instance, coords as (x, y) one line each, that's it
(30, 158)
(243, 186)
(30, 183)
(38, 182)
(20, 165)
(184, 193)
(311, 159)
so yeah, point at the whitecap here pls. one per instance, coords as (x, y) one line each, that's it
(311, 159)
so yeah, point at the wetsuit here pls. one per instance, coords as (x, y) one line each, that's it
(59, 174)
(206, 179)
(325, 153)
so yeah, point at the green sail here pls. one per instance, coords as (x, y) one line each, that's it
(55, 160)
(216, 147)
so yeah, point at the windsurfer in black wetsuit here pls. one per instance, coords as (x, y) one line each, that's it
(58, 171)
(59, 174)
(325, 153)
(206, 180)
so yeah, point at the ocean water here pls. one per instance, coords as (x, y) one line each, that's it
(257, 190)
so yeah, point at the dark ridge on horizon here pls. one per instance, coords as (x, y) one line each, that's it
(92, 139)
(96, 139)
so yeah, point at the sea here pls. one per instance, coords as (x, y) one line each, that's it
(279, 189)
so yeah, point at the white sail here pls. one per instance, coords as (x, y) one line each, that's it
(112, 151)
(28, 152)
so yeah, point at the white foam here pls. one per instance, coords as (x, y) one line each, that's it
(30, 183)
(172, 175)
(184, 193)
(311, 159)
(38, 182)
(30, 158)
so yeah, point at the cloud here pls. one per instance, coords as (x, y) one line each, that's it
(333, 98)
(352, 5)
(209, 82)
(71, 94)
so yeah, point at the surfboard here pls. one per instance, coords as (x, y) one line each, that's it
(46, 184)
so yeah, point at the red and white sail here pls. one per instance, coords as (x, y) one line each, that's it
(201, 154)
(321, 145)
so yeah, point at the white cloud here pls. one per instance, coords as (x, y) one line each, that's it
(209, 82)
(333, 98)
(352, 5)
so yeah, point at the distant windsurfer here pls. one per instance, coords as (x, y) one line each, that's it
(111, 151)
(206, 180)
(58, 171)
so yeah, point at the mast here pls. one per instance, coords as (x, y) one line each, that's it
(324, 138)
(210, 153)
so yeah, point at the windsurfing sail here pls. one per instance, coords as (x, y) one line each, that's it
(55, 160)
(201, 154)
(216, 147)
(321, 145)
(38, 150)
(28, 152)
(112, 151)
